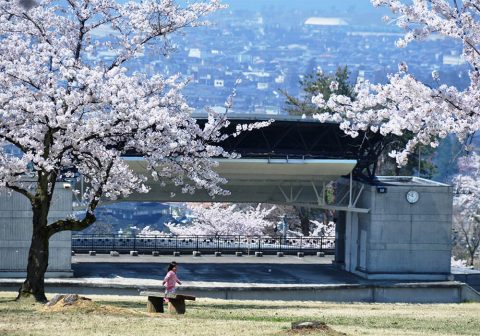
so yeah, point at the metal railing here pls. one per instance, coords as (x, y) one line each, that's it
(83, 243)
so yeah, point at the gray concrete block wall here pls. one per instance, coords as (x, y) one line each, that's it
(16, 232)
(407, 239)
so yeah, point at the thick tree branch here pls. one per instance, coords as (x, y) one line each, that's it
(71, 224)
(22, 191)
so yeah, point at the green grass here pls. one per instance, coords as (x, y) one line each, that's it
(119, 315)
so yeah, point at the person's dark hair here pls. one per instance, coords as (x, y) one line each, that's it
(172, 265)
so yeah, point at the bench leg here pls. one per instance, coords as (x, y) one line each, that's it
(155, 304)
(176, 306)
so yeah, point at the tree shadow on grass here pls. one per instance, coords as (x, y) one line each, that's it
(247, 306)
(5, 300)
(124, 304)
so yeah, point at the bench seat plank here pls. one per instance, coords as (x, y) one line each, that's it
(168, 296)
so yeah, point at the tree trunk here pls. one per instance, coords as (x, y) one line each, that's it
(304, 216)
(471, 257)
(34, 284)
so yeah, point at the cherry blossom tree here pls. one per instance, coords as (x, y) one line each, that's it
(467, 205)
(224, 219)
(324, 228)
(70, 104)
(405, 104)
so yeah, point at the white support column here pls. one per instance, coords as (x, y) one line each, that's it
(351, 241)
(350, 192)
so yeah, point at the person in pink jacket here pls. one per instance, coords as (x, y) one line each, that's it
(171, 279)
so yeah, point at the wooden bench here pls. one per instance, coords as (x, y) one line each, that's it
(176, 302)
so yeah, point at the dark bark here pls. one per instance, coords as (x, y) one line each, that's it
(304, 216)
(34, 284)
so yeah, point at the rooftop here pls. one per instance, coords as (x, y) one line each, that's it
(406, 181)
(325, 21)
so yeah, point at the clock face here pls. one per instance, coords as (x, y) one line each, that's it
(412, 196)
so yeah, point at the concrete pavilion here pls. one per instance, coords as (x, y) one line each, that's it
(383, 232)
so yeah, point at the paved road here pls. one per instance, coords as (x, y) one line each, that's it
(267, 270)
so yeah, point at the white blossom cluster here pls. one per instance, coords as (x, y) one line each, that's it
(466, 202)
(221, 219)
(69, 108)
(322, 228)
(405, 103)
(467, 186)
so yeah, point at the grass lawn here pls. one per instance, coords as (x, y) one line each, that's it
(122, 315)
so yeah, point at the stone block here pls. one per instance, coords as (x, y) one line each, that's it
(176, 254)
(114, 254)
(218, 254)
(134, 253)
(258, 254)
(92, 253)
(155, 253)
(320, 254)
(280, 254)
(300, 254)
(197, 253)
(238, 254)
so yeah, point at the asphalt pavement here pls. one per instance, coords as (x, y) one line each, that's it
(226, 269)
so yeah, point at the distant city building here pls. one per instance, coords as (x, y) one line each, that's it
(325, 21)
(195, 53)
(272, 50)
(453, 60)
(131, 217)
(262, 86)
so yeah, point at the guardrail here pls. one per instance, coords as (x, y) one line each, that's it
(207, 244)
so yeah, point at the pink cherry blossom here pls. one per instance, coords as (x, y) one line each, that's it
(224, 219)
(405, 104)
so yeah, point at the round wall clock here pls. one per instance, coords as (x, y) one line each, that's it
(412, 196)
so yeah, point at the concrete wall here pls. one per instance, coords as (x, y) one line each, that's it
(444, 292)
(399, 240)
(16, 233)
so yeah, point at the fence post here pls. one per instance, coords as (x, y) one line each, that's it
(196, 249)
(113, 242)
(155, 243)
(92, 241)
(259, 244)
(218, 243)
(301, 242)
(176, 243)
(321, 243)
(134, 242)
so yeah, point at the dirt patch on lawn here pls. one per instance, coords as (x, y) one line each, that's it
(75, 303)
(313, 328)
